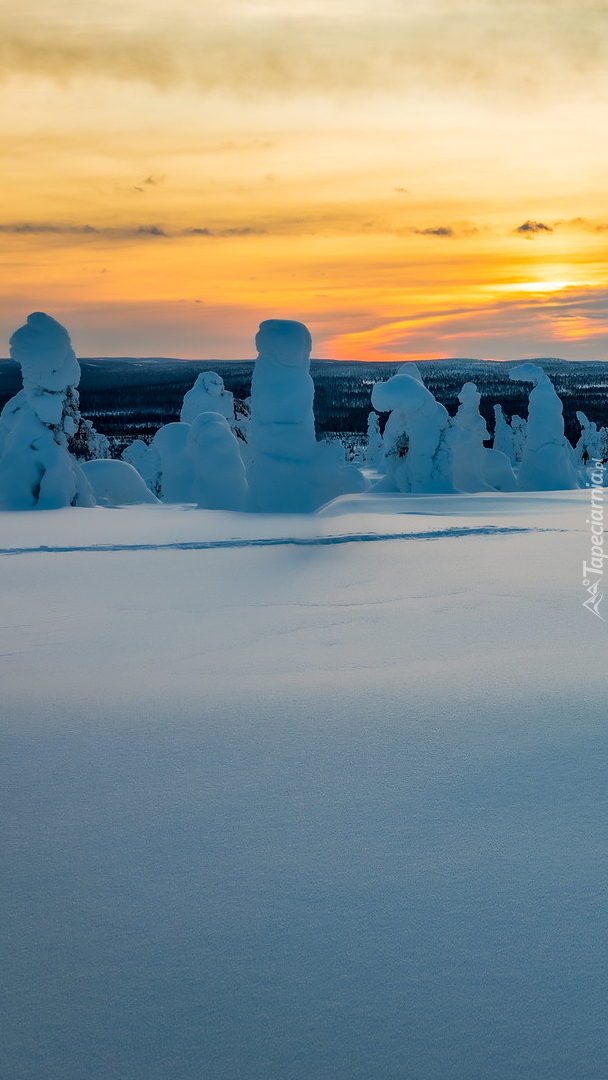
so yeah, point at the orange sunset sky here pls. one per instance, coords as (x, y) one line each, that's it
(411, 178)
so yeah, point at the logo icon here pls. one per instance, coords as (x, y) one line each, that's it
(593, 601)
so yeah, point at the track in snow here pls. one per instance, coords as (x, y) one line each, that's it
(274, 541)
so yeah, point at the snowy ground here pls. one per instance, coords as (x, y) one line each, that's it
(285, 804)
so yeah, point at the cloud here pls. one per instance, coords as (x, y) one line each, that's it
(248, 49)
(41, 228)
(27, 227)
(150, 230)
(531, 229)
(336, 219)
(441, 230)
(581, 302)
(143, 185)
(569, 323)
(245, 230)
(582, 224)
(239, 230)
(150, 181)
(333, 220)
(448, 232)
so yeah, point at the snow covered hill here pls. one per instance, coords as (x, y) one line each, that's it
(304, 797)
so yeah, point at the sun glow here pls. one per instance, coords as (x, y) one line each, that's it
(537, 286)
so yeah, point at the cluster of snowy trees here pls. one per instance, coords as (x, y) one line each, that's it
(270, 461)
(424, 450)
(449, 453)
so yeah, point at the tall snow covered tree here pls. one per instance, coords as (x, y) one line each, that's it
(547, 460)
(37, 469)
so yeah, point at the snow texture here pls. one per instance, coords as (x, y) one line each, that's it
(498, 472)
(289, 471)
(547, 460)
(219, 482)
(36, 469)
(304, 812)
(9, 416)
(116, 483)
(207, 395)
(416, 455)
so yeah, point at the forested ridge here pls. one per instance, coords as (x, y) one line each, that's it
(128, 397)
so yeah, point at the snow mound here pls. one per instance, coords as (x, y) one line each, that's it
(116, 483)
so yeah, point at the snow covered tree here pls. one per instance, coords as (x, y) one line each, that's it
(503, 435)
(416, 454)
(86, 443)
(219, 474)
(465, 436)
(37, 469)
(374, 450)
(289, 471)
(176, 466)
(547, 459)
(207, 395)
(519, 427)
(588, 446)
(146, 459)
(474, 467)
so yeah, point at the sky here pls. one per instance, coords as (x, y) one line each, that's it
(410, 178)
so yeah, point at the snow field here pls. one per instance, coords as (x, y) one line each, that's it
(305, 812)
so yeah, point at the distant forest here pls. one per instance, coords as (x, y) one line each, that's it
(128, 398)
